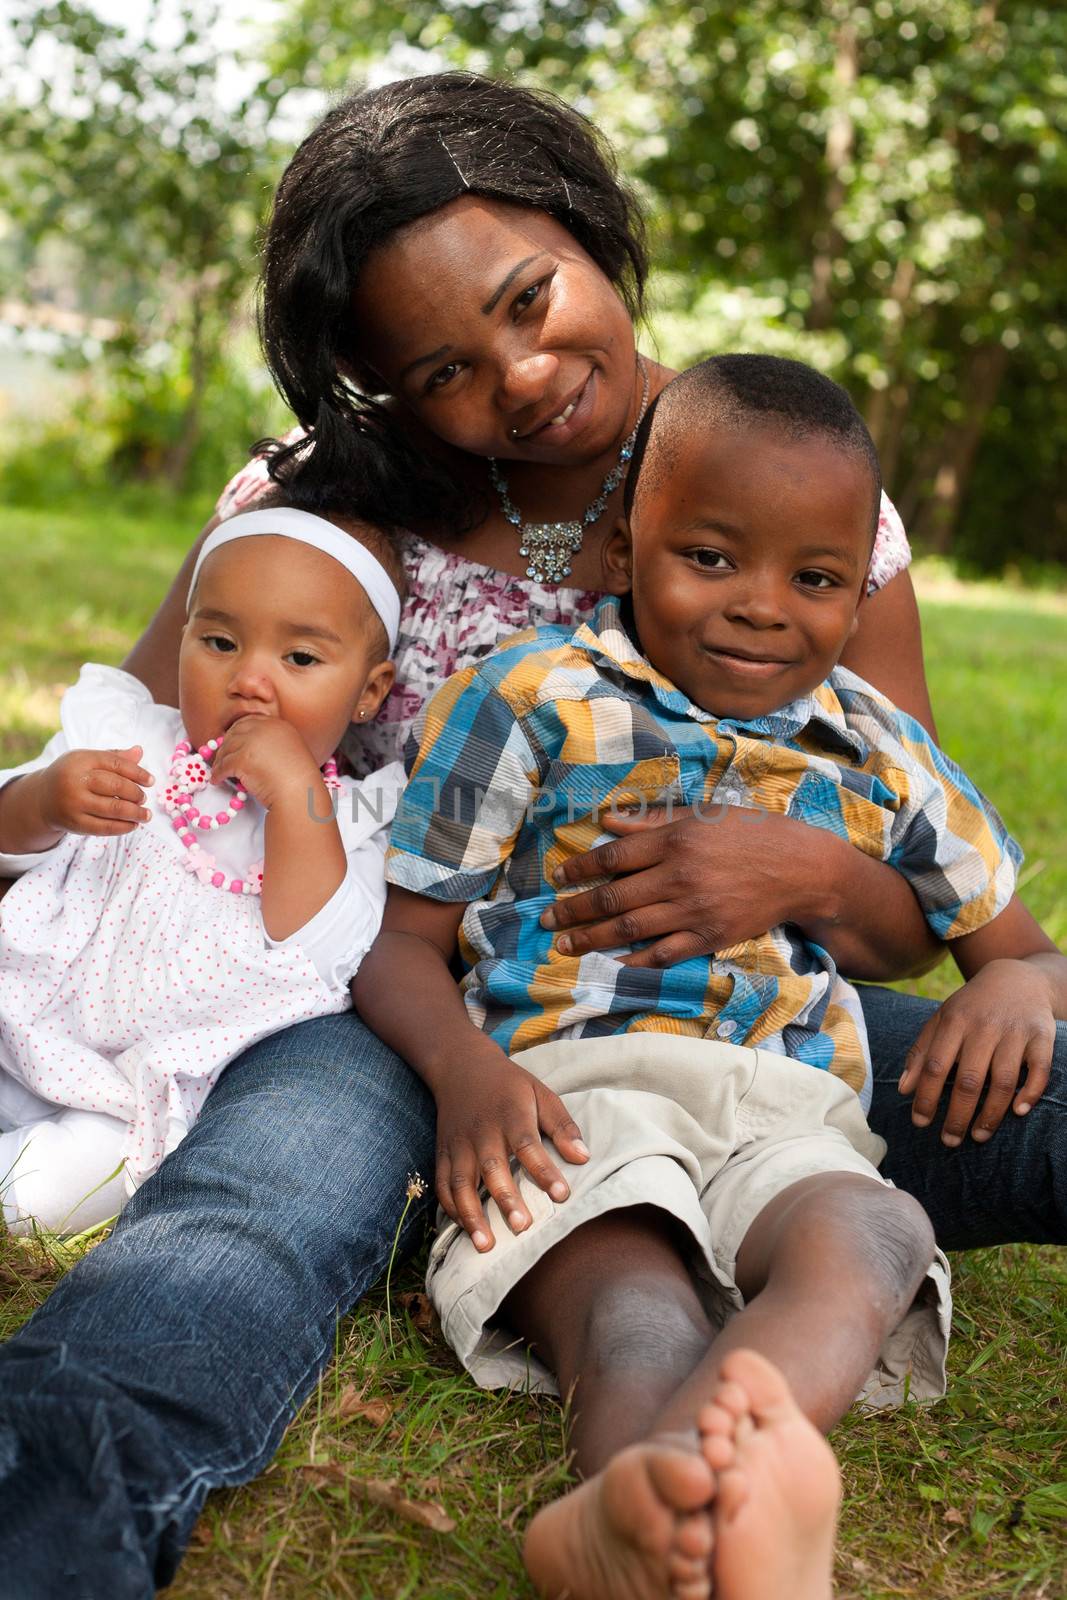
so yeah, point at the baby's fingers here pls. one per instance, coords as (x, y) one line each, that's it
(127, 764)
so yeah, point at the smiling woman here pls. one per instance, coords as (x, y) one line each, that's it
(452, 274)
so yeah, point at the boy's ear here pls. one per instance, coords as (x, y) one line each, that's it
(617, 558)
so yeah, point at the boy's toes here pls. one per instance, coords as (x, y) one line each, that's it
(766, 1394)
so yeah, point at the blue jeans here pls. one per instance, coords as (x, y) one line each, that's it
(170, 1361)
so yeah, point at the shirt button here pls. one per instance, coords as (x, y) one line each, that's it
(726, 1029)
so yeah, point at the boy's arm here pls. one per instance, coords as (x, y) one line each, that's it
(488, 1107)
(1004, 1018)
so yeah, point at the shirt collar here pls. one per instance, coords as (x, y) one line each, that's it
(604, 637)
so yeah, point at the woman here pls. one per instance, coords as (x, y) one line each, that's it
(464, 249)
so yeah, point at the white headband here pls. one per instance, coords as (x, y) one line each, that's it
(285, 523)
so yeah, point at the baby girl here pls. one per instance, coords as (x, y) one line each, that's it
(193, 879)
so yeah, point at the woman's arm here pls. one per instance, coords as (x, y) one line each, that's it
(154, 658)
(887, 649)
(702, 883)
(488, 1107)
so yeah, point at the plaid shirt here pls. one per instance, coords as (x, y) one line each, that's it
(515, 761)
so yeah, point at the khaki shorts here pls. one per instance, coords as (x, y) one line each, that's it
(708, 1132)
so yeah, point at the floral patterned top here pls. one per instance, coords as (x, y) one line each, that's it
(457, 611)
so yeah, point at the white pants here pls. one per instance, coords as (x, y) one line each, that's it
(62, 1173)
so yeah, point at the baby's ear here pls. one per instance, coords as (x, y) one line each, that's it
(617, 559)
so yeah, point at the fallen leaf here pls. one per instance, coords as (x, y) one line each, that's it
(426, 1513)
(28, 1271)
(352, 1404)
(420, 1311)
(953, 1514)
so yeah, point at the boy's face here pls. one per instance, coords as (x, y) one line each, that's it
(279, 629)
(746, 557)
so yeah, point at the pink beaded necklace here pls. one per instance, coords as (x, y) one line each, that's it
(190, 773)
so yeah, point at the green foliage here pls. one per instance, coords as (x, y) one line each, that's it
(890, 177)
(880, 189)
(147, 187)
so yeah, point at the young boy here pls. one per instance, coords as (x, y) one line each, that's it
(726, 1163)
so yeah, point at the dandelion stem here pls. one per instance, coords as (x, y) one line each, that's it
(415, 1190)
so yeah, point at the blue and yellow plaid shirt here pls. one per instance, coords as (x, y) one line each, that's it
(515, 761)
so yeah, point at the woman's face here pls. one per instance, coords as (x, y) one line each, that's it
(498, 331)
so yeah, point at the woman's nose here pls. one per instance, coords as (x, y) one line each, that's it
(527, 378)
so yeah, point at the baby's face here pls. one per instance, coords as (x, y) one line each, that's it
(749, 555)
(278, 629)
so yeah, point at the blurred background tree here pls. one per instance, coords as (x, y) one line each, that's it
(878, 189)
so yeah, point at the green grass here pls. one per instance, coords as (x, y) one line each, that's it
(967, 1501)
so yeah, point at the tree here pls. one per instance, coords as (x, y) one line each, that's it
(880, 188)
(125, 149)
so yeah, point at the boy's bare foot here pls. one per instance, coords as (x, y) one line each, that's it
(776, 1507)
(640, 1530)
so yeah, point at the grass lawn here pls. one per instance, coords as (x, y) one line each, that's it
(967, 1501)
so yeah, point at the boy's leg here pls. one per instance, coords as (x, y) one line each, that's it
(171, 1360)
(776, 1502)
(828, 1269)
(831, 1266)
(613, 1311)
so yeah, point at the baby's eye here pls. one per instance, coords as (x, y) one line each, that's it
(302, 658)
(218, 643)
(712, 560)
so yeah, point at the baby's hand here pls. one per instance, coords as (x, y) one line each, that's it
(501, 1112)
(269, 759)
(1000, 1020)
(95, 791)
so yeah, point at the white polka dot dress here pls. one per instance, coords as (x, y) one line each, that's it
(126, 984)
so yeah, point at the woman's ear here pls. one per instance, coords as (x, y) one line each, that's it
(617, 559)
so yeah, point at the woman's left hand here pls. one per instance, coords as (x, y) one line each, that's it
(695, 884)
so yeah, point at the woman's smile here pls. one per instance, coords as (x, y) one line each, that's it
(501, 335)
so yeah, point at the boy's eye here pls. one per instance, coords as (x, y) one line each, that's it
(218, 643)
(302, 658)
(712, 560)
(816, 580)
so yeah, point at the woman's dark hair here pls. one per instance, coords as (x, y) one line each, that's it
(378, 161)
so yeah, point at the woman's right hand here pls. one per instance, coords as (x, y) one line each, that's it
(498, 1112)
(95, 792)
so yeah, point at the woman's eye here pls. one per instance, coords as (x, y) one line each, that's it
(713, 560)
(528, 296)
(443, 375)
(302, 658)
(218, 644)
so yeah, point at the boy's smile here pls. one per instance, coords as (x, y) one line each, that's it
(746, 558)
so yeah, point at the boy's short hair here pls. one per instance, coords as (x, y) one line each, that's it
(735, 392)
